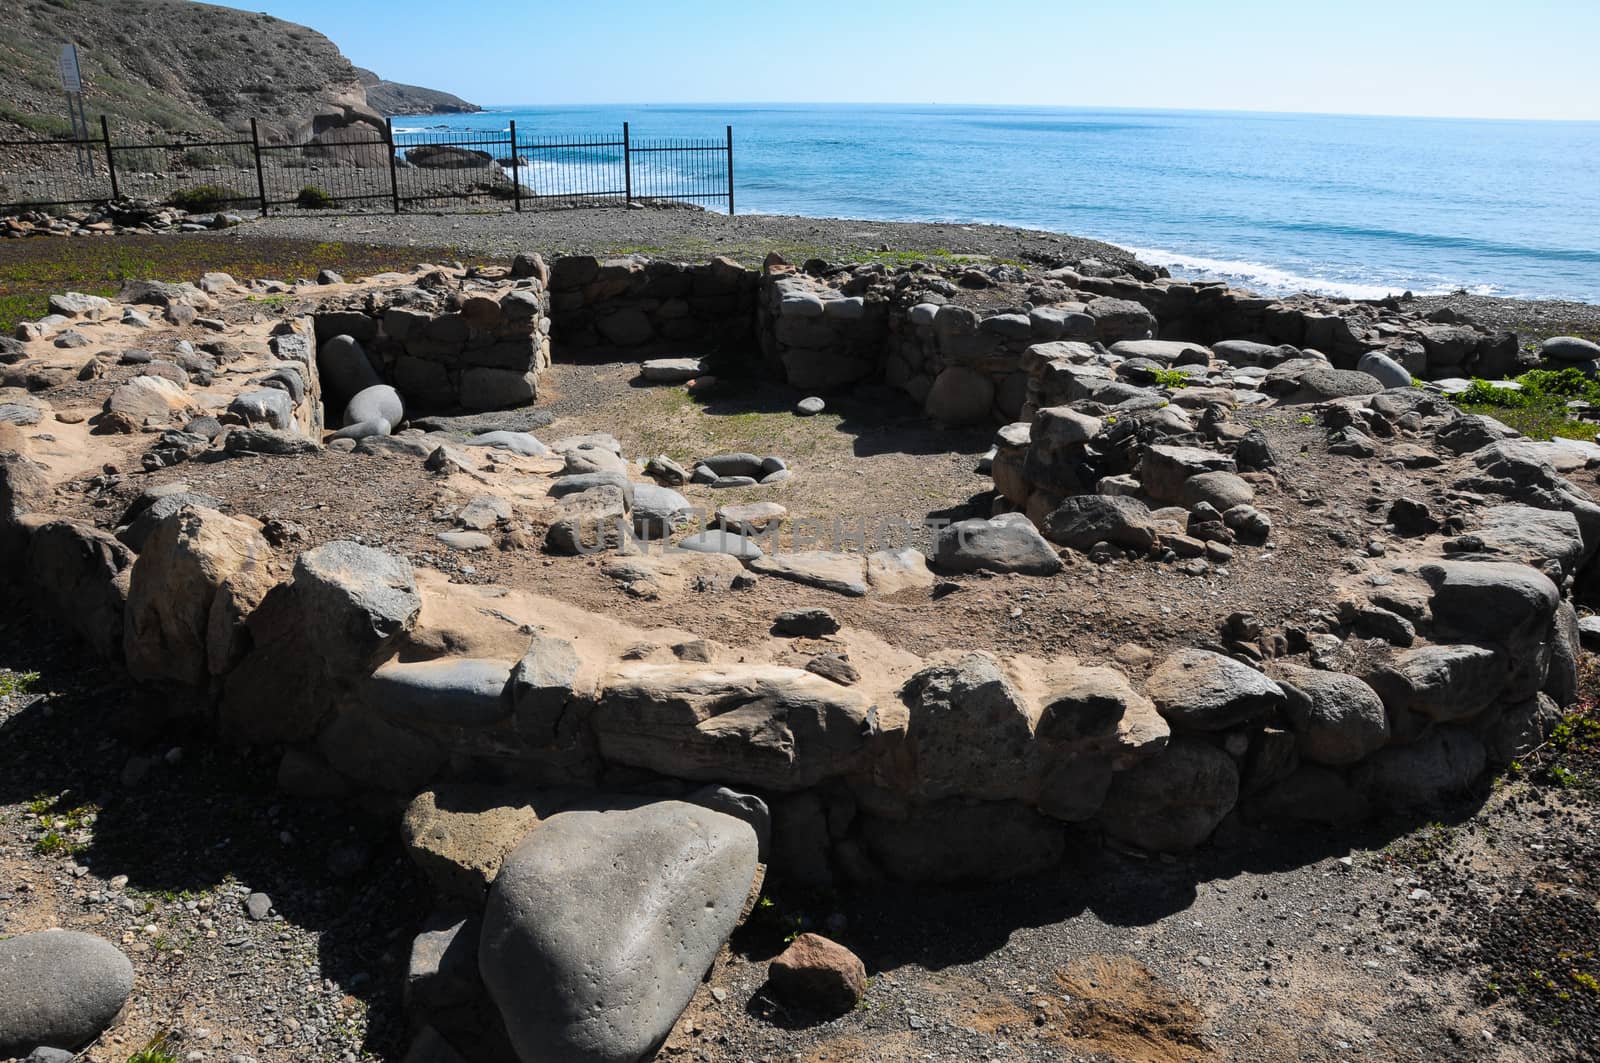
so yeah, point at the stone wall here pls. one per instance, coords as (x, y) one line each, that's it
(479, 346)
(634, 302)
(956, 340)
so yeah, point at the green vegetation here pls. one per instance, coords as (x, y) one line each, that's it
(155, 1051)
(1539, 408)
(1170, 378)
(17, 684)
(202, 198)
(33, 270)
(58, 822)
(313, 198)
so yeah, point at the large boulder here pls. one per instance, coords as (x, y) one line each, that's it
(1204, 691)
(969, 732)
(1081, 521)
(602, 922)
(357, 602)
(1445, 761)
(343, 614)
(766, 726)
(59, 988)
(1491, 600)
(380, 402)
(1447, 682)
(1164, 468)
(964, 841)
(1385, 370)
(1337, 719)
(198, 570)
(1569, 350)
(1173, 801)
(346, 371)
(1007, 543)
(960, 396)
(76, 573)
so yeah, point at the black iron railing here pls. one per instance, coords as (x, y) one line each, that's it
(364, 168)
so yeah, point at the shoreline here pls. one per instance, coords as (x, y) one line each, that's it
(698, 234)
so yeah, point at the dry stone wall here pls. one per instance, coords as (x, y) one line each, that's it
(478, 347)
(635, 302)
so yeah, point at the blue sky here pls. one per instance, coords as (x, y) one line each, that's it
(1530, 59)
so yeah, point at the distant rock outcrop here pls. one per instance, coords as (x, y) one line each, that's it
(391, 98)
(176, 66)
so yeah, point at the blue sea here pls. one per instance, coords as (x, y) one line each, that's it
(1356, 206)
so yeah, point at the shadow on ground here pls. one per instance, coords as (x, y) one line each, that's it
(212, 819)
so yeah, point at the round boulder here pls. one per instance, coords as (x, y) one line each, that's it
(377, 403)
(1569, 349)
(1387, 371)
(1337, 719)
(1222, 490)
(960, 396)
(59, 988)
(1172, 802)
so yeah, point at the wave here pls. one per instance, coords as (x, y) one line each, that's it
(1272, 280)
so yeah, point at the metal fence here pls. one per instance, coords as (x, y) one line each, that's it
(364, 168)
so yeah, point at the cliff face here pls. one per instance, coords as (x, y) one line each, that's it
(171, 65)
(391, 98)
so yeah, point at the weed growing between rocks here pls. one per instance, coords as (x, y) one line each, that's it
(1538, 409)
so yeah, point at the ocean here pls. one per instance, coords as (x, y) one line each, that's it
(1355, 206)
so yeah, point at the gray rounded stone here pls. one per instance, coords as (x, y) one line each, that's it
(1387, 371)
(658, 510)
(1337, 719)
(377, 403)
(809, 406)
(603, 920)
(1569, 349)
(345, 368)
(59, 988)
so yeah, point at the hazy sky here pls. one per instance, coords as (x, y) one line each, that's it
(1527, 59)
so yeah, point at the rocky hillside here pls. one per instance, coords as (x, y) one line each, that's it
(175, 66)
(391, 98)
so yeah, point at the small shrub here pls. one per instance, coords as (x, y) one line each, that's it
(202, 199)
(1170, 378)
(313, 198)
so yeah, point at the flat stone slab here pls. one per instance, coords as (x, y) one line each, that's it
(892, 571)
(751, 517)
(465, 540)
(522, 443)
(670, 370)
(719, 541)
(476, 424)
(831, 571)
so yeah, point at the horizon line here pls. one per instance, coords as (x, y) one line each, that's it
(1034, 106)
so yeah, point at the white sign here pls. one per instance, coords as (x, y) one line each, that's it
(71, 79)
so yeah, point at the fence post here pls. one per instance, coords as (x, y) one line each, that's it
(627, 166)
(516, 170)
(394, 175)
(730, 171)
(111, 160)
(261, 176)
